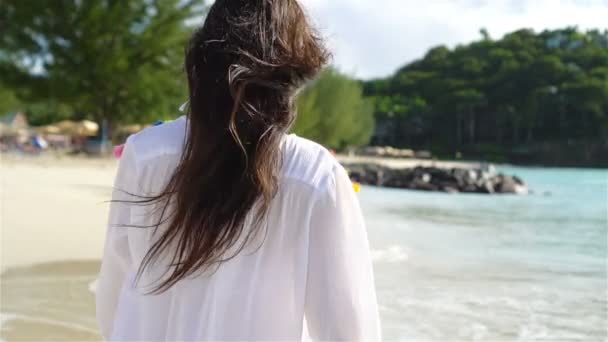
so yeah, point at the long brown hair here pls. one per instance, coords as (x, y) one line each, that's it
(244, 67)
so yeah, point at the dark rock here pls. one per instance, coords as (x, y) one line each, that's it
(471, 175)
(421, 185)
(487, 187)
(453, 180)
(426, 178)
(511, 185)
(469, 188)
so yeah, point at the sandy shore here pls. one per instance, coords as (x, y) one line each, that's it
(49, 301)
(53, 209)
(407, 163)
(53, 212)
(52, 227)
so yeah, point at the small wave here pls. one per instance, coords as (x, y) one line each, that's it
(6, 317)
(51, 299)
(51, 321)
(392, 254)
(476, 331)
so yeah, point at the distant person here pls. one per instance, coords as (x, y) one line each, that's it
(39, 143)
(222, 226)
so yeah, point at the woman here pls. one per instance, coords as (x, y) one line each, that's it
(222, 227)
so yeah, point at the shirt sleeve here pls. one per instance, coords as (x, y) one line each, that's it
(341, 300)
(116, 256)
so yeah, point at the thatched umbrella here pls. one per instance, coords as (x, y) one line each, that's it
(80, 128)
(66, 126)
(48, 129)
(87, 128)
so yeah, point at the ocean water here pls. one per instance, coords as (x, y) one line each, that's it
(478, 267)
(448, 267)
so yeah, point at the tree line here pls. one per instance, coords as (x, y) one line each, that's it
(121, 61)
(522, 89)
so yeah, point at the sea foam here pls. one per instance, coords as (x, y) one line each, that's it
(392, 254)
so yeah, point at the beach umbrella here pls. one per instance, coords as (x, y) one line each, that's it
(80, 128)
(87, 128)
(66, 127)
(49, 129)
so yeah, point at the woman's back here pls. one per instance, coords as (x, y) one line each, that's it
(311, 257)
(222, 226)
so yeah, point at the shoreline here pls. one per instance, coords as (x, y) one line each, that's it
(57, 206)
(59, 305)
(407, 163)
(60, 159)
(52, 160)
(53, 225)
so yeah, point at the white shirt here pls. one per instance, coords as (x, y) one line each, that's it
(309, 277)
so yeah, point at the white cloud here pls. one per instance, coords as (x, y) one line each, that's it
(372, 38)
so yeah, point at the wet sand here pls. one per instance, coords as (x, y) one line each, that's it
(50, 301)
(52, 227)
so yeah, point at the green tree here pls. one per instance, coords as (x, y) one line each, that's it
(111, 59)
(522, 89)
(8, 101)
(333, 112)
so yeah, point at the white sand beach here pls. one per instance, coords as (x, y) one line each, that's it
(53, 209)
(53, 212)
(52, 225)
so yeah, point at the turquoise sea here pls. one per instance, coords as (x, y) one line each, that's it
(479, 267)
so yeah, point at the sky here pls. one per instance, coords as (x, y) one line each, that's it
(373, 38)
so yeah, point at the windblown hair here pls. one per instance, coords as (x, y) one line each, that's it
(244, 67)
